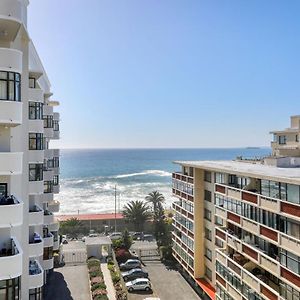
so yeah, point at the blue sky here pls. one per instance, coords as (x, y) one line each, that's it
(170, 73)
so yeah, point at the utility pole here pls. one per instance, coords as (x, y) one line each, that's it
(115, 208)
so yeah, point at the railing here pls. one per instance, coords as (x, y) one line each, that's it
(34, 268)
(9, 200)
(183, 177)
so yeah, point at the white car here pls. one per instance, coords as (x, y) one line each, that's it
(115, 236)
(130, 264)
(139, 284)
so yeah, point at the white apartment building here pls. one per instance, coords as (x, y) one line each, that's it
(29, 170)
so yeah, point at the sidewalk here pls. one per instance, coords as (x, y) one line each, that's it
(111, 293)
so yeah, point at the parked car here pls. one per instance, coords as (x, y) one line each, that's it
(130, 264)
(137, 235)
(134, 274)
(139, 284)
(115, 236)
(148, 237)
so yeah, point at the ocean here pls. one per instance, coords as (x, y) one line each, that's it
(88, 177)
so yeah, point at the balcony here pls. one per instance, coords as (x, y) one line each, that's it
(54, 226)
(48, 175)
(48, 240)
(48, 264)
(269, 204)
(11, 212)
(36, 245)
(10, 113)
(36, 187)
(10, 59)
(289, 243)
(11, 163)
(36, 95)
(250, 226)
(56, 245)
(56, 189)
(10, 259)
(53, 206)
(183, 177)
(48, 217)
(36, 216)
(56, 135)
(36, 274)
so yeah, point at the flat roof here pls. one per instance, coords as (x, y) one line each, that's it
(91, 217)
(289, 175)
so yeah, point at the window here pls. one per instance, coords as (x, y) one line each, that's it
(218, 221)
(55, 162)
(290, 260)
(48, 187)
(35, 172)
(207, 214)
(207, 195)
(288, 292)
(55, 180)
(3, 190)
(36, 294)
(297, 138)
(293, 194)
(35, 111)
(56, 125)
(282, 139)
(208, 253)
(48, 121)
(220, 178)
(208, 273)
(207, 234)
(35, 141)
(207, 176)
(48, 253)
(10, 289)
(10, 86)
(32, 83)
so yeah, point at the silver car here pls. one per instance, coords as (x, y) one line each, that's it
(139, 284)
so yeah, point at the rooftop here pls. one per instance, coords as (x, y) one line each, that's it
(99, 240)
(289, 175)
(91, 217)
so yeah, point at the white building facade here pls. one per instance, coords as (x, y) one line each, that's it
(29, 170)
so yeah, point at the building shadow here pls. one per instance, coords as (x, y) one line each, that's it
(57, 288)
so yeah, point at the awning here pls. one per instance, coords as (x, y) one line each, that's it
(206, 287)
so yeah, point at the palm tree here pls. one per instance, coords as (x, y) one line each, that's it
(72, 226)
(154, 198)
(137, 212)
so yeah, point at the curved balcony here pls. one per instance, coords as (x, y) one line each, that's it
(48, 217)
(48, 264)
(10, 113)
(47, 197)
(56, 189)
(11, 212)
(56, 152)
(36, 95)
(36, 156)
(36, 216)
(48, 133)
(54, 226)
(11, 163)
(36, 126)
(48, 153)
(10, 259)
(56, 135)
(48, 240)
(36, 274)
(36, 245)
(48, 175)
(56, 245)
(56, 116)
(53, 206)
(10, 59)
(36, 187)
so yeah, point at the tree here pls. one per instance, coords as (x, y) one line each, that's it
(72, 227)
(137, 212)
(155, 198)
(126, 239)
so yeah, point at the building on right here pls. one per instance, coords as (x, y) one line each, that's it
(237, 223)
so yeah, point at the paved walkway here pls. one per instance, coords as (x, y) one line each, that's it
(111, 293)
(68, 283)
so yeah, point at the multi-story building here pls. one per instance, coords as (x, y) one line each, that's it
(237, 223)
(29, 170)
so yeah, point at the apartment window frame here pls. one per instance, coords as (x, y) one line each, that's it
(36, 172)
(12, 288)
(207, 214)
(207, 176)
(35, 110)
(207, 195)
(48, 187)
(208, 234)
(48, 121)
(55, 125)
(208, 254)
(290, 261)
(48, 253)
(282, 139)
(36, 294)
(36, 141)
(32, 83)
(208, 273)
(288, 292)
(55, 180)
(10, 82)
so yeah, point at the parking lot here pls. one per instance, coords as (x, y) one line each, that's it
(167, 283)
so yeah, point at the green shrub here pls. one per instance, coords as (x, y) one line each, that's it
(96, 274)
(93, 262)
(115, 277)
(98, 286)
